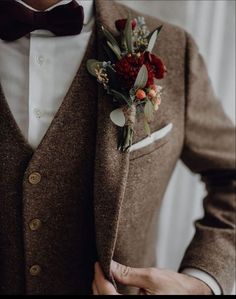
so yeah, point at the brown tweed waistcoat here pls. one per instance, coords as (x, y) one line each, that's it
(95, 203)
(63, 244)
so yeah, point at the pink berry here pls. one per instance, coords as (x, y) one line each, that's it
(154, 87)
(156, 102)
(152, 93)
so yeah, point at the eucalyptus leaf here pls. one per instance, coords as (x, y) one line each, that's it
(109, 36)
(111, 55)
(120, 96)
(118, 118)
(115, 49)
(92, 64)
(158, 30)
(147, 127)
(152, 41)
(123, 42)
(142, 78)
(149, 111)
(128, 35)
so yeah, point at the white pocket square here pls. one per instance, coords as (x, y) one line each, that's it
(152, 138)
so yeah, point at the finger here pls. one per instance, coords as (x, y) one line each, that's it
(136, 277)
(94, 287)
(104, 287)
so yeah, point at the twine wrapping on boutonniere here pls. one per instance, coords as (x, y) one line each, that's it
(129, 75)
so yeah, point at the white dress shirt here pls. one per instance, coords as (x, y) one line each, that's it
(36, 72)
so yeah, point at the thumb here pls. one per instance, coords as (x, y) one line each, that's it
(129, 276)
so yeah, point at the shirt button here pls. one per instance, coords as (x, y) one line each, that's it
(37, 113)
(35, 270)
(40, 60)
(35, 178)
(35, 224)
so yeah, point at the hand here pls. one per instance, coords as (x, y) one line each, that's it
(150, 281)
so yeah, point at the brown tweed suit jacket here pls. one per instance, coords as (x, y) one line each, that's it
(128, 188)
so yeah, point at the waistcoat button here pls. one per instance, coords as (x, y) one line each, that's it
(35, 270)
(35, 178)
(35, 224)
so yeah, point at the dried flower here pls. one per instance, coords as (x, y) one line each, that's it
(152, 93)
(154, 87)
(102, 76)
(156, 102)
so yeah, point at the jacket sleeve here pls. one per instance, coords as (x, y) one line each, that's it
(209, 150)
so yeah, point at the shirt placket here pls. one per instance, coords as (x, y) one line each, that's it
(40, 87)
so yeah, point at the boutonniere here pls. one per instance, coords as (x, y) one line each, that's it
(129, 76)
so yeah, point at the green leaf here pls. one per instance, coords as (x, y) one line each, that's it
(115, 49)
(110, 37)
(92, 64)
(117, 116)
(127, 138)
(152, 41)
(123, 42)
(128, 36)
(147, 127)
(120, 96)
(142, 78)
(149, 111)
(110, 54)
(158, 30)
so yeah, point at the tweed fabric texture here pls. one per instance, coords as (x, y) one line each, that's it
(64, 246)
(127, 188)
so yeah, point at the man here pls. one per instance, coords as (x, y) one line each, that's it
(69, 201)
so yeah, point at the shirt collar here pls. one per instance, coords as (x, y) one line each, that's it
(87, 5)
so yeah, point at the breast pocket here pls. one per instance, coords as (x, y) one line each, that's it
(151, 143)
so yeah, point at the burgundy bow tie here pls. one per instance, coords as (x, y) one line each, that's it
(16, 20)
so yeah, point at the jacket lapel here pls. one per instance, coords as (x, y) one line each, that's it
(111, 166)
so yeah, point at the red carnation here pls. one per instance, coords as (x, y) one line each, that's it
(156, 63)
(128, 67)
(120, 24)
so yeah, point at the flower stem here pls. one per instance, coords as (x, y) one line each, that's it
(127, 138)
(128, 130)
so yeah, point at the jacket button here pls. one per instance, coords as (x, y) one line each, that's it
(35, 178)
(35, 270)
(35, 224)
